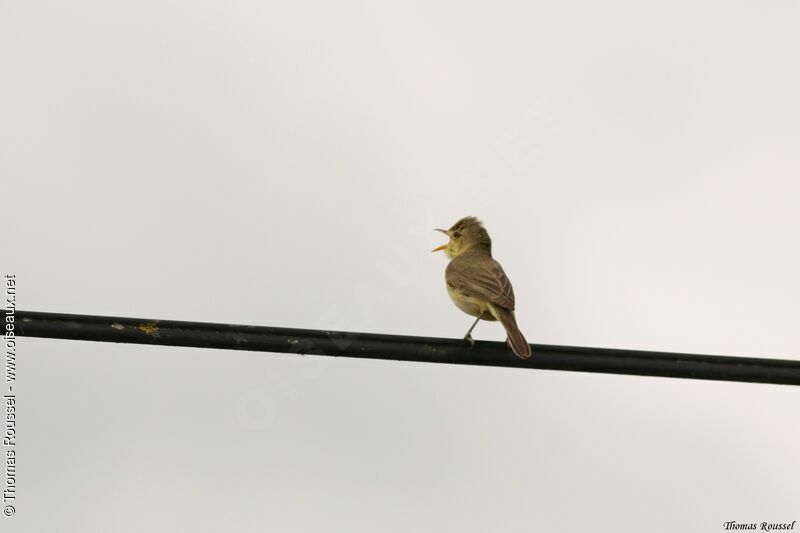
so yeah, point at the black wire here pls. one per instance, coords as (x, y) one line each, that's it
(402, 348)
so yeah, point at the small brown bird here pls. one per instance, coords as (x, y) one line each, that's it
(476, 282)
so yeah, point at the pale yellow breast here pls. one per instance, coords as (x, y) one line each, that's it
(476, 307)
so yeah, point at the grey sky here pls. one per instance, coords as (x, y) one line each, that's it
(284, 163)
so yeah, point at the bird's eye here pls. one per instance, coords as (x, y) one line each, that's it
(456, 234)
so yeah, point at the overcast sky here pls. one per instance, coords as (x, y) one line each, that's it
(284, 162)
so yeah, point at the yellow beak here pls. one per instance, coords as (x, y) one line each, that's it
(442, 247)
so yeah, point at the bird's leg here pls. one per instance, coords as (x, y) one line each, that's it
(468, 337)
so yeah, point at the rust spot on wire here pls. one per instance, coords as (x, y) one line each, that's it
(150, 328)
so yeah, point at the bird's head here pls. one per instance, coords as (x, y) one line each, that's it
(465, 234)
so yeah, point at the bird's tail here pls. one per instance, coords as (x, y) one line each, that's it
(515, 337)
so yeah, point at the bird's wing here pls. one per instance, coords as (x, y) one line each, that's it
(483, 278)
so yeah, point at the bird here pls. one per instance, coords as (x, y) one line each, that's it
(477, 283)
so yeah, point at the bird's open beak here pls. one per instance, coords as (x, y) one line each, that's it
(442, 247)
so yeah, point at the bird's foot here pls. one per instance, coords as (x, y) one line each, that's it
(469, 339)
